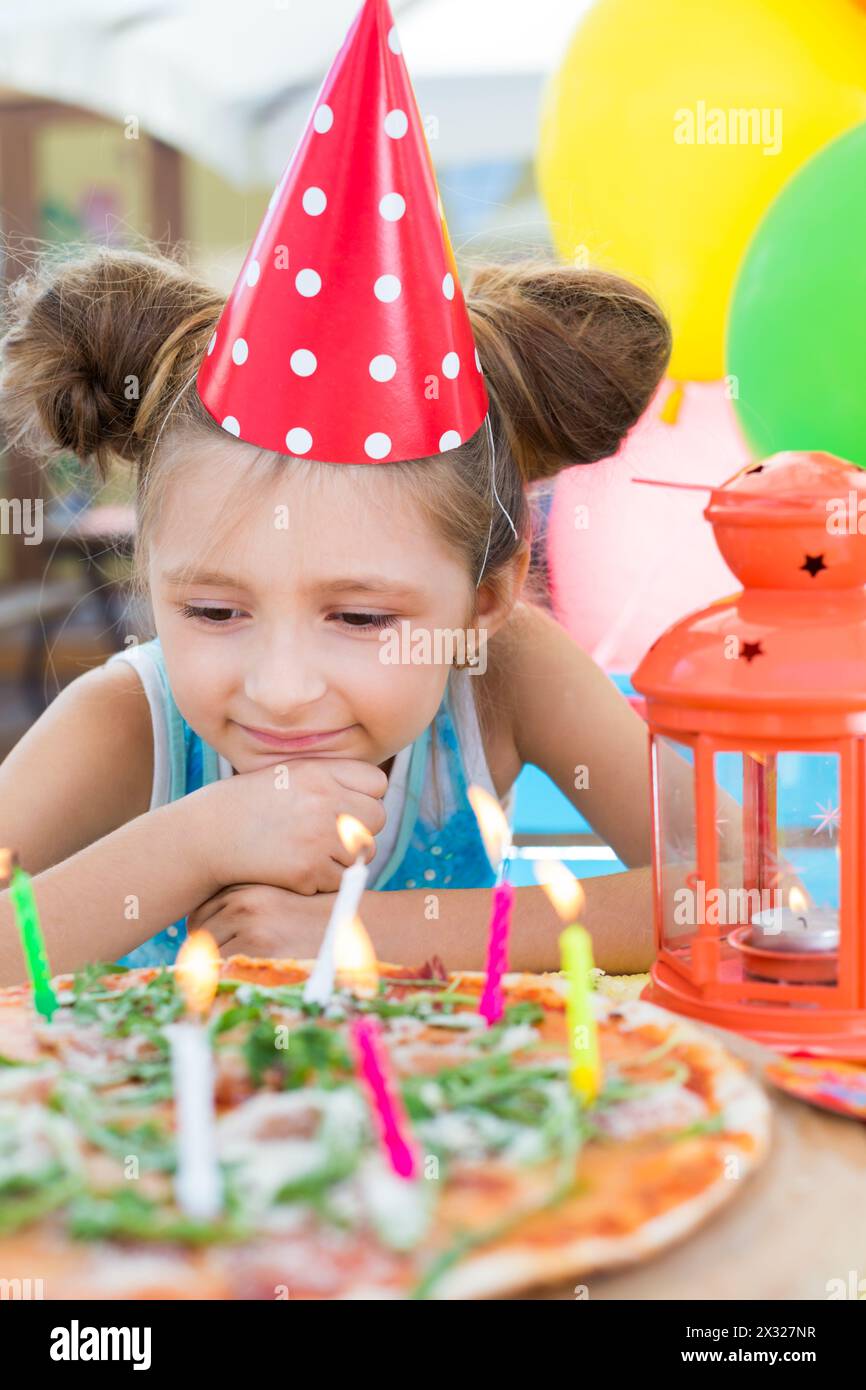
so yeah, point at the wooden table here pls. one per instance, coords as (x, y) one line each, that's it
(799, 1222)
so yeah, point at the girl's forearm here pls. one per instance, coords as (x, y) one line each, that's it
(113, 895)
(618, 914)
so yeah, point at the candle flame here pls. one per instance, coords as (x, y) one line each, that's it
(197, 971)
(562, 888)
(355, 958)
(797, 900)
(353, 834)
(8, 860)
(491, 822)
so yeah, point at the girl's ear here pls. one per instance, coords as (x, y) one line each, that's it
(495, 601)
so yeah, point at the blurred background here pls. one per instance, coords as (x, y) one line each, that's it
(714, 153)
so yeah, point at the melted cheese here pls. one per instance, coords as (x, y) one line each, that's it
(666, 1107)
(269, 1160)
(398, 1208)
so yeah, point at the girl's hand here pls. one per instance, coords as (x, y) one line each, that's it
(254, 919)
(279, 825)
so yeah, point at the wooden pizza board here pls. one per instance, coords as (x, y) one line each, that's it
(797, 1223)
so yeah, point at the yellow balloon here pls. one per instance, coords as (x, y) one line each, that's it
(670, 128)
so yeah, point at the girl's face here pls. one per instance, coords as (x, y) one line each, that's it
(274, 644)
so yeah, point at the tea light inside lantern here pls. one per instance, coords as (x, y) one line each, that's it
(798, 927)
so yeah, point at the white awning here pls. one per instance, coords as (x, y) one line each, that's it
(231, 82)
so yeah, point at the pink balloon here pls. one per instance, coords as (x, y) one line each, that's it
(638, 558)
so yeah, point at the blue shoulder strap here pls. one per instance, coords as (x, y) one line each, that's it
(417, 846)
(414, 788)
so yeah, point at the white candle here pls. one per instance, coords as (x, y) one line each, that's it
(356, 839)
(786, 929)
(320, 984)
(197, 1184)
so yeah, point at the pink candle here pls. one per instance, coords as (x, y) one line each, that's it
(372, 1068)
(492, 1001)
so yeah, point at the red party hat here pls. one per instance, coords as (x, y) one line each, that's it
(346, 337)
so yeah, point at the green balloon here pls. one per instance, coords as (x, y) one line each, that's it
(796, 333)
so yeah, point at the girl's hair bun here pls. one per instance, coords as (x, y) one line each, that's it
(95, 349)
(571, 359)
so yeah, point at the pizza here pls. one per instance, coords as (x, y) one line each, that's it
(520, 1186)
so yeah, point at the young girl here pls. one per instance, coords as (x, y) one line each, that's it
(199, 775)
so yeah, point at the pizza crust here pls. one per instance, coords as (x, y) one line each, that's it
(522, 1268)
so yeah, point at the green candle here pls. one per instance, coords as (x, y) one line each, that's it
(32, 941)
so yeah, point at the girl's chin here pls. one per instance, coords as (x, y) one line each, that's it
(253, 760)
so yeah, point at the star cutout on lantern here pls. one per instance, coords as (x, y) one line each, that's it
(827, 817)
(775, 867)
(814, 564)
(749, 650)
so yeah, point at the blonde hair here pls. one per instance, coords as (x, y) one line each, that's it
(100, 353)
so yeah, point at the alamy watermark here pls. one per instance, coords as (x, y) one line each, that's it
(439, 646)
(22, 516)
(738, 125)
(722, 907)
(846, 516)
(26, 1290)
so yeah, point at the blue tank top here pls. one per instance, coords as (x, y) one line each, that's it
(437, 846)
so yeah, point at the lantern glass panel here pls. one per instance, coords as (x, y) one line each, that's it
(784, 809)
(777, 820)
(809, 817)
(735, 906)
(676, 838)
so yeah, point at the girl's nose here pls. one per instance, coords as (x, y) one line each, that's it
(280, 680)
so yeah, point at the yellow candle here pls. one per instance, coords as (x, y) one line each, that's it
(575, 947)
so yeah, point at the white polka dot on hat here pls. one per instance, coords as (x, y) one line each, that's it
(346, 338)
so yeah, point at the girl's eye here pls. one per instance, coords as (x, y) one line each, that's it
(366, 620)
(214, 615)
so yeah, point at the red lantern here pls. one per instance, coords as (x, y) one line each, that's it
(757, 714)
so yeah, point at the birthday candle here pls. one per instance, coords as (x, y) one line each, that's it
(23, 902)
(198, 1187)
(575, 945)
(320, 982)
(492, 1000)
(576, 952)
(371, 1068)
(495, 834)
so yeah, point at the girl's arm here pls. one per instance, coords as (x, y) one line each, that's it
(568, 718)
(74, 794)
(615, 913)
(552, 706)
(111, 896)
(259, 920)
(83, 769)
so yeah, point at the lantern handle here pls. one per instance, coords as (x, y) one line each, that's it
(773, 499)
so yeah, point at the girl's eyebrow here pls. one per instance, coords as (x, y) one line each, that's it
(368, 584)
(182, 574)
(363, 584)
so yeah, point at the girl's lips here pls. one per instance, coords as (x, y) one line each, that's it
(288, 742)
